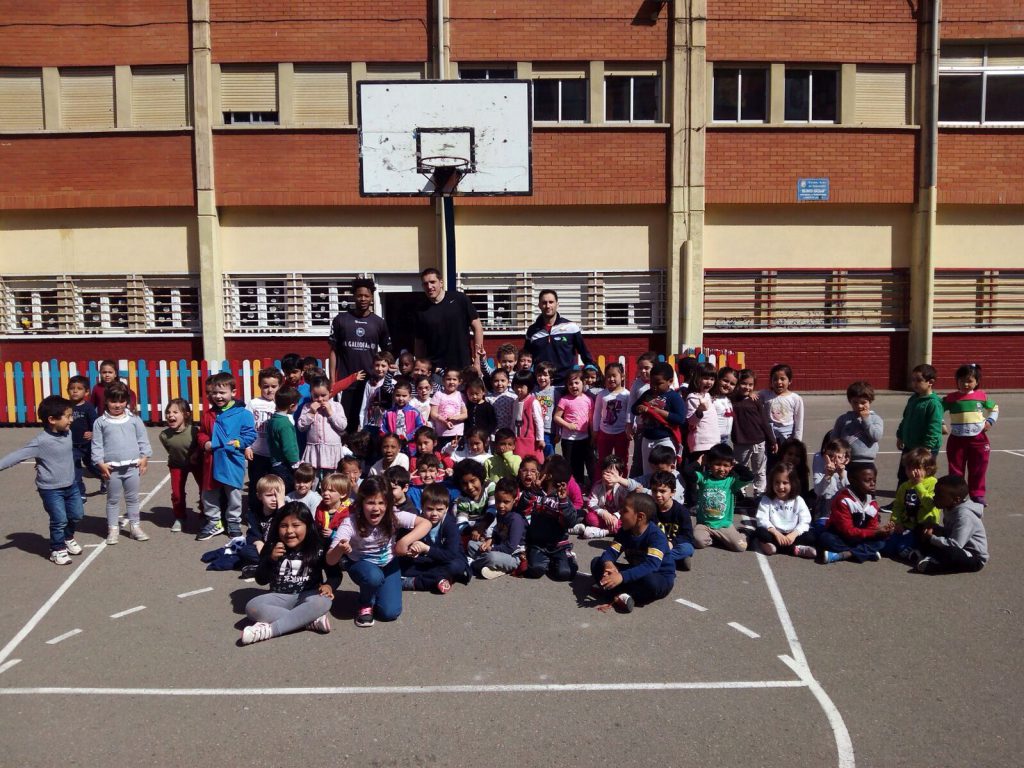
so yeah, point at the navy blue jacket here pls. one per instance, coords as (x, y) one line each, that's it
(558, 346)
(647, 553)
(444, 541)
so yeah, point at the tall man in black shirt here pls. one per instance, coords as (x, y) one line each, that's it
(356, 336)
(443, 326)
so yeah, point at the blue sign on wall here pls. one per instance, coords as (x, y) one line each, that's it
(812, 189)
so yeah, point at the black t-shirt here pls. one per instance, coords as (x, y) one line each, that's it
(356, 340)
(445, 331)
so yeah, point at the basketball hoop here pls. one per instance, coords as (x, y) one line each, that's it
(445, 171)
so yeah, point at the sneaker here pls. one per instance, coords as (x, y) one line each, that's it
(578, 529)
(248, 571)
(490, 573)
(907, 555)
(234, 531)
(801, 550)
(408, 584)
(321, 626)
(112, 533)
(874, 557)
(686, 564)
(255, 633)
(444, 587)
(830, 557)
(593, 532)
(73, 547)
(768, 548)
(623, 603)
(137, 533)
(122, 523)
(103, 486)
(926, 565)
(176, 526)
(60, 557)
(210, 530)
(365, 617)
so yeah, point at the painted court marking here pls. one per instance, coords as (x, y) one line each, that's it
(744, 630)
(688, 604)
(65, 636)
(196, 592)
(136, 609)
(8, 664)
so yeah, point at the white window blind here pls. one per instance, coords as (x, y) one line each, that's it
(322, 94)
(393, 71)
(882, 93)
(87, 98)
(159, 97)
(21, 99)
(248, 88)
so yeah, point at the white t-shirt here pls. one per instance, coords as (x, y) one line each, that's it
(261, 411)
(611, 412)
(376, 548)
(785, 515)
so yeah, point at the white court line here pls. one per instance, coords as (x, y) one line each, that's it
(798, 663)
(744, 630)
(8, 664)
(136, 609)
(1017, 453)
(688, 604)
(65, 636)
(196, 592)
(375, 690)
(90, 546)
(45, 607)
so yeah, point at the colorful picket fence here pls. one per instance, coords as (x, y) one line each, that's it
(157, 382)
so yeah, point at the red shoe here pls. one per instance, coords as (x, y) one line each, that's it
(444, 586)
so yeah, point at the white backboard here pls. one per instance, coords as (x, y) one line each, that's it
(485, 122)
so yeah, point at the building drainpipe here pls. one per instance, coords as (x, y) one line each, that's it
(922, 263)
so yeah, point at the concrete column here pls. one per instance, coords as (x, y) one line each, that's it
(51, 98)
(286, 93)
(848, 94)
(776, 93)
(595, 102)
(123, 96)
(211, 268)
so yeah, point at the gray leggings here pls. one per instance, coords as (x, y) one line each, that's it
(123, 481)
(288, 612)
(498, 561)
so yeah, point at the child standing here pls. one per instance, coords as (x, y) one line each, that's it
(650, 572)
(572, 417)
(551, 515)
(479, 413)
(108, 375)
(291, 562)
(305, 480)
(527, 419)
(783, 520)
(121, 451)
(717, 477)
(503, 551)
(852, 531)
(913, 509)
(226, 429)
(611, 416)
(262, 409)
(324, 423)
(662, 414)
(367, 541)
(83, 416)
(971, 416)
(641, 383)
(55, 475)
(785, 409)
(180, 440)
(502, 398)
(547, 395)
(402, 418)
(752, 433)
(921, 425)
(282, 438)
(960, 543)
(448, 410)
(701, 415)
(436, 560)
(860, 426)
(421, 402)
(721, 397)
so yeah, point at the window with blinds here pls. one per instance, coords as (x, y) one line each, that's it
(981, 83)
(248, 94)
(990, 298)
(21, 100)
(560, 93)
(385, 70)
(882, 94)
(160, 97)
(87, 98)
(322, 94)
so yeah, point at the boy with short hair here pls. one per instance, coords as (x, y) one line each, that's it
(650, 572)
(860, 426)
(436, 560)
(291, 367)
(474, 508)
(921, 425)
(282, 436)
(662, 459)
(524, 361)
(716, 477)
(304, 480)
(84, 416)
(262, 409)
(960, 543)
(852, 531)
(503, 551)
(53, 452)
(225, 431)
(503, 461)
(661, 415)
(551, 515)
(401, 490)
(270, 492)
(673, 518)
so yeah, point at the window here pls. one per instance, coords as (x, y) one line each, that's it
(633, 98)
(740, 95)
(559, 96)
(882, 92)
(21, 99)
(248, 94)
(171, 306)
(103, 310)
(87, 98)
(292, 302)
(261, 304)
(322, 94)
(326, 299)
(812, 95)
(159, 97)
(981, 84)
(393, 71)
(487, 73)
(991, 298)
(30, 306)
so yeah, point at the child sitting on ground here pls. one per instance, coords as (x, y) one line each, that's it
(402, 492)
(436, 560)
(270, 495)
(305, 480)
(650, 571)
(913, 509)
(426, 444)
(662, 459)
(783, 520)
(852, 531)
(860, 426)
(673, 518)
(474, 508)
(335, 505)
(829, 468)
(603, 505)
(503, 551)
(960, 543)
(716, 477)
(391, 455)
(551, 515)
(476, 445)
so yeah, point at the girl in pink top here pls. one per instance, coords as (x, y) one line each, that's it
(527, 420)
(701, 416)
(448, 409)
(572, 417)
(324, 423)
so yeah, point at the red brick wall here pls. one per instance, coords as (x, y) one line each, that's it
(151, 347)
(811, 31)
(96, 171)
(1001, 356)
(981, 19)
(61, 32)
(568, 30)
(763, 166)
(981, 166)
(354, 30)
(823, 361)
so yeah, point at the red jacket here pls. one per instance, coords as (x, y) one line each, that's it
(206, 422)
(851, 518)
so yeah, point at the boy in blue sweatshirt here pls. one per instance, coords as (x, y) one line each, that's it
(661, 415)
(650, 572)
(55, 476)
(436, 560)
(503, 551)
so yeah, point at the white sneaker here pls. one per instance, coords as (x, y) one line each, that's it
(623, 603)
(578, 529)
(593, 532)
(137, 533)
(321, 625)
(73, 547)
(112, 534)
(176, 526)
(490, 573)
(254, 633)
(60, 557)
(122, 523)
(768, 548)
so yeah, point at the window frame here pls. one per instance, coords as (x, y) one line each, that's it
(632, 119)
(739, 69)
(811, 120)
(984, 71)
(487, 69)
(560, 120)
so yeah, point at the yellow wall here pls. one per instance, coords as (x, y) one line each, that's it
(578, 238)
(98, 241)
(979, 237)
(807, 236)
(327, 239)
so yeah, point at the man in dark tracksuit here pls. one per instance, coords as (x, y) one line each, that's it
(556, 340)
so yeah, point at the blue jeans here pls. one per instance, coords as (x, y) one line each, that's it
(861, 551)
(64, 506)
(549, 445)
(680, 551)
(83, 460)
(379, 587)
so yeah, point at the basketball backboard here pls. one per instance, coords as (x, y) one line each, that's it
(411, 132)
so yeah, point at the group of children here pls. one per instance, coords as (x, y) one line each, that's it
(454, 476)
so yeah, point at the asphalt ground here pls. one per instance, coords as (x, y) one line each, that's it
(848, 664)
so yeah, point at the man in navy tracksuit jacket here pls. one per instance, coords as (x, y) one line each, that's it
(556, 340)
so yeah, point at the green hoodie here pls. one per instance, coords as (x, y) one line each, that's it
(914, 504)
(921, 426)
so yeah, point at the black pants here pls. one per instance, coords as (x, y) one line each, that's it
(428, 575)
(558, 563)
(646, 589)
(952, 559)
(351, 402)
(577, 453)
(805, 539)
